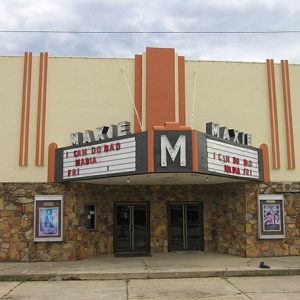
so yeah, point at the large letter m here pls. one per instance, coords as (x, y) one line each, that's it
(179, 146)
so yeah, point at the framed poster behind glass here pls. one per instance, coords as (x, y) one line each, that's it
(48, 218)
(270, 216)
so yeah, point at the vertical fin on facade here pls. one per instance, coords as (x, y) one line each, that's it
(41, 110)
(288, 115)
(195, 151)
(51, 162)
(181, 89)
(150, 151)
(138, 89)
(273, 114)
(160, 86)
(266, 162)
(25, 113)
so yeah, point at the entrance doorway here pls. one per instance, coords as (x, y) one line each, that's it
(131, 229)
(185, 226)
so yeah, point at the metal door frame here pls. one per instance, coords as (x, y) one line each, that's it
(184, 223)
(131, 231)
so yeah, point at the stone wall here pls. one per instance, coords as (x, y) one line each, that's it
(290, 245)
(17, 218)
(230, 218)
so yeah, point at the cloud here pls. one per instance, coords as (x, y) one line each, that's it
(125, 15)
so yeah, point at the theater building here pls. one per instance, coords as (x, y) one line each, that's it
(149, 154)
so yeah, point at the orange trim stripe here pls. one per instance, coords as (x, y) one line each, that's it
(150, 151)
(38, 125)
(160, 86)
(44, 109)
(21, 154)
(273, 114)
(195, 151)
(41, 110)
(138, 92)
(293, 164)
(288, 115)
(28, 108)
(25, 113)
(266, 164)
(181, 89)
(51, 162)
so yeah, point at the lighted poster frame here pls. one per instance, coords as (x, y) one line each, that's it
(270, 215)
(48, 218)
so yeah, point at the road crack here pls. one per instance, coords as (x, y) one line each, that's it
(146, 268)
(229, 282)
(4, 296)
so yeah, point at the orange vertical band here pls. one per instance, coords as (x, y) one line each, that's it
(195, 151)
(138, 92)
(21, 154)
(51, 162)
(266, 164)
(151, 151)
(181, 89)
(44, 108)
(38, 124)
(28, 108)
(41, 110)
(160, 86)
(293, 164)
(288, 115)
(25, 113)
(273, 114)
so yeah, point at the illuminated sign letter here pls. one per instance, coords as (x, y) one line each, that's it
(179, 146)
(76, 138)
(213, 129)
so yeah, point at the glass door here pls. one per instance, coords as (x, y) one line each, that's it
(185, 226)
(131, 229)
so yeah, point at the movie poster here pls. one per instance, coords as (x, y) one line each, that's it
(48, 225)
(271, 217)
(48, 218)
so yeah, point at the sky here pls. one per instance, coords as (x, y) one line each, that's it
(153, 15)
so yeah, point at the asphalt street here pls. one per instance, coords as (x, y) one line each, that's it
(266, 287)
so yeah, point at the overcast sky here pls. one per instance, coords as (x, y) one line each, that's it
(153, 15)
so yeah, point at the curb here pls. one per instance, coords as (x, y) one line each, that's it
(149, 275)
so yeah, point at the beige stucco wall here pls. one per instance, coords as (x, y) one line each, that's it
(82, 93)
(85, 93)
(235, 95)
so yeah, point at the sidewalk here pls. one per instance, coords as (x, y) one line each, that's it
(162, 265)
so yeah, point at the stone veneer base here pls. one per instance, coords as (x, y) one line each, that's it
(230, 218)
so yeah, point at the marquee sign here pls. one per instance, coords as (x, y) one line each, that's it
(226, 158)
(225, 153)
(112, 157)
(106, 158)
(232, 160)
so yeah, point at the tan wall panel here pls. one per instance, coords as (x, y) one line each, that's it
(81, 94)
(295, 96)
(84, 93)
(235, 95)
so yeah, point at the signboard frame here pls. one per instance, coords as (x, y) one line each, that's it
(140, 162)
(203, 157)
(270, 215)
(48, 218)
